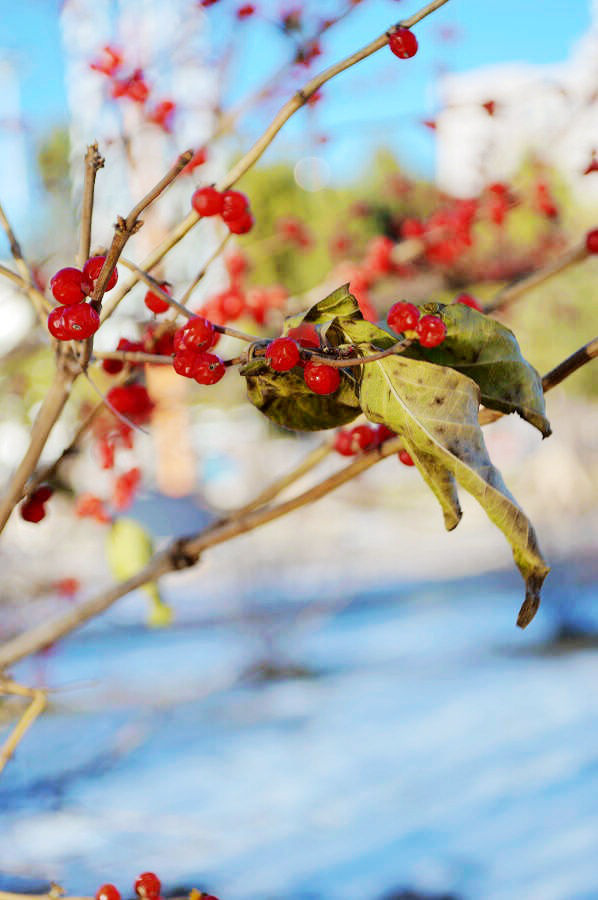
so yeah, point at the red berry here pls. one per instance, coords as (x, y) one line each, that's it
(403, 43)
(155, 303)
(90, 506)
(131, 400)
(42, 493)
(148, 885)
(183, 363)
(198, 159)
(237, 265)
(343, 443)
(230, 304)
(245, 11)
(32, 510)
(207, 201)
(592, 241)
(241, 225)
(208, 368)
(136, 87)
(363, 437)
(107, 892)
(383, 434)
(234, 205)
(431, 331)
(283, 354)
(197, 334)
(468, 300)
(92, 269)
(306, 335)
(81, 321)
(320, 378)
(403, 316)
(405, 458)
(56, 323)
(69, 286)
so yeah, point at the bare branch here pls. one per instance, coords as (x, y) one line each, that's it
(37, 705)
(94, 161)
(40, 302)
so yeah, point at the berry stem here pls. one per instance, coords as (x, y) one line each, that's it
(94, 161)
(156, 288)
(341, 363)
(233, 332)
(132, 357)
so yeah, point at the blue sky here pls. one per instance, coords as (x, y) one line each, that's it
(380, 101)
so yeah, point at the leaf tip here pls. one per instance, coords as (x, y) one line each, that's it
(530, 605)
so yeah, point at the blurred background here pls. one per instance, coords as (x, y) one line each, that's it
(343, 706)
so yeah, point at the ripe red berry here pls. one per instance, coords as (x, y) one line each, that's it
(81, 321)
(405, 458)
(155, 303)
(592, 241)
(431, 331)
(234, 205)
(468, 300)
(107, 892)
(403, 316)
(320, 378)
(56, 323)
(92, 269)
(403, 43)
(42, 493)
(32, 510)
(131, 400)
(183, 362)
(306, 335)
(283, 354)
(197, 334)
(363, 437)
(148, 885)
(208, 368)
(343, 443)
(69, 286)
(383, 434)
(241, 225)
(207, 201)
(245, 11)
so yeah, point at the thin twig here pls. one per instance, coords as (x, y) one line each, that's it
(38, 703)
(156, 287)
(512, 292)
(12, 276)
(299, 99)
(41, 304)
(48, 414)
(340, 363)
(94, 161)
(133, 357)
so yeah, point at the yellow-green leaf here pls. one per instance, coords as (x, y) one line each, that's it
(435, 410)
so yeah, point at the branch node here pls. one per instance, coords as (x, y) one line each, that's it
(179, 556)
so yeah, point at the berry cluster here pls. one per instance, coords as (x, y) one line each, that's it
(284, 354)
(75, 319)
(33, 508)
(147, 887)
(351, 441)
(231, 206)
(429, 330)
(191, 357)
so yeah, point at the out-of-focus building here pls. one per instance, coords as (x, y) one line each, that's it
(548, 110)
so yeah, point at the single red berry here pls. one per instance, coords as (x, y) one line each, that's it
(183, 362)
(343, 443)
(90, 506)
(81, 321)
(241, 225)
(363, 437)
(156, 303)
(405, 458)
(148, 885)
(208, 368)
(237, 265)
(32, 510)
(107, 892)
(403, 316)
(468, 300)
(131, 400)
(234, 205)
(592, 241)
(320, 378)
(137, 88)
(283, 354)
(56, 323)
(231, 304)
(403, 43)
(207, 201)
(431, 331)
(69, 286)
(245, 11)
(306, 335)
(92, 269)
(197, 334)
